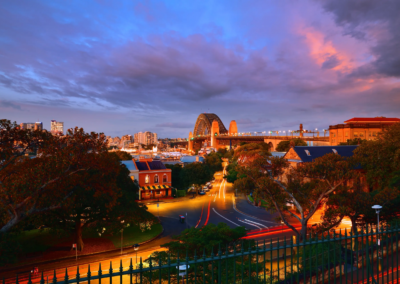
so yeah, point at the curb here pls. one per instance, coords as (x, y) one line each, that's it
(241, 212)
(72, 257)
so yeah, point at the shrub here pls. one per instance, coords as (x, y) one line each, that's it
(180, 193)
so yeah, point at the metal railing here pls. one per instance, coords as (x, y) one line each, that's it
(361, 257)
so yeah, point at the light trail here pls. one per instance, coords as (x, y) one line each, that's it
(201, 215)
(248, 223)
(262, 225)
(208, 214)
(225, 218)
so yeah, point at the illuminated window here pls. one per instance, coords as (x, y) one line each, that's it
(355, 134)
(334, 151)
(370, 134)
(147, 179)
(374, 134)
(165, 178)
(156, 179)
(347, 134)
(361, 134)
(307, 152)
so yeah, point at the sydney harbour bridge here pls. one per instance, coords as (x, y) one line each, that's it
(209, 128)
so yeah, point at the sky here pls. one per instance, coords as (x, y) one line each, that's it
(121, 67)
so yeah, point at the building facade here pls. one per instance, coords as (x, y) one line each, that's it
(364, 128)
(31, 126)
(56, 127)
(154, 179)
(146, 138)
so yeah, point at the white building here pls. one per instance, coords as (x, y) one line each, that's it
(56, 127)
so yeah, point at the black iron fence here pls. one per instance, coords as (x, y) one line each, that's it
(344, 257)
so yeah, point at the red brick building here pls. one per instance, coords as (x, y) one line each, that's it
(154, 179)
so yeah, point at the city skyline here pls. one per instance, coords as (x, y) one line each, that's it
(125, 67)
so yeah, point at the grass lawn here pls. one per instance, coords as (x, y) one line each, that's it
(40, 240)
(133, 235)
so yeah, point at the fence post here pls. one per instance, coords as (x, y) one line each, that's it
(120, 271)
(77, 274)
(66, 276)
(110, 271)
(88, 274)
(99, 272)
(219, 263)
(130, 271)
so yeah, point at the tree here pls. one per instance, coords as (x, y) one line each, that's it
(380, 159)
(211, 239)
(232, 172)
(176, 170)
(284, 146)
(306, 187)
(214, 162)
(355, 141)
(105, 200)
(29, 186)
(122, 155)
(195, 173)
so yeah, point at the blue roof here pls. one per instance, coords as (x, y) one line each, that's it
(191, 159)
(130, 165)
(319, 151)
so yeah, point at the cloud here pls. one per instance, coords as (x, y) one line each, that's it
(175, 125)
(8, 104)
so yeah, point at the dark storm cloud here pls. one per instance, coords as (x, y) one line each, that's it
(376, 22)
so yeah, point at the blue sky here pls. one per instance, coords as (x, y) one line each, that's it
(120, 67)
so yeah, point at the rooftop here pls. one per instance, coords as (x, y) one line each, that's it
(310, 153)
(130, 165)
(372, 119)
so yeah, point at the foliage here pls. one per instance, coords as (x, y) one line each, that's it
(355, 141)
(180, 193)
(29, 186)
(214, 162)
(211, 239)
(284, 146)
(232, 172)
(105, 199)
(122, 155)
(176, 170)
(195, 173)
(306, 187)
(380, 159)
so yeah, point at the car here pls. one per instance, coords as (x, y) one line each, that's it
(202, 192)
(205, 188)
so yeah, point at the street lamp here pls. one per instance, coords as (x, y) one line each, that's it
(377, 209)
(136, 248)
(122, 234)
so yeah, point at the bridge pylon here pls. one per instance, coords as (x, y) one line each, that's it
(214, 133)
(233, 130)
(190, 141)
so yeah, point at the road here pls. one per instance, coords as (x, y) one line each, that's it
(218, 205)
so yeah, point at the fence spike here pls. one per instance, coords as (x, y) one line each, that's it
(77, 273)
(130, 265)
(88, 272)
(120, 266)
(41, 279)
(111, 267)
(219, 250)
(66, 275)
(16, 279)
(54, 277)
(100, 272)
(29, 279)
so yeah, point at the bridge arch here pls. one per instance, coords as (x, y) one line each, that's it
(204, 123)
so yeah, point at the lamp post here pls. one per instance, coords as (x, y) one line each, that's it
(136, 248)
(122, 234)
(377, 209)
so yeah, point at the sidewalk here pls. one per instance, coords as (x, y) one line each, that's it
(166, 200)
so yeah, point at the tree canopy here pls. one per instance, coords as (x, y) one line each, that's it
(305, 186)
(284, 146)
(122, 155)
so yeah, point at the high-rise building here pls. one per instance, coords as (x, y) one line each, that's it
(31, 126)
(57, 127)
(146, 138)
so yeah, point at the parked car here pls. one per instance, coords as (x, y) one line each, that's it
(209, 185)
(202, 192)
(205, 188)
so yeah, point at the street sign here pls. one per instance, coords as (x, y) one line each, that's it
(73, 245)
